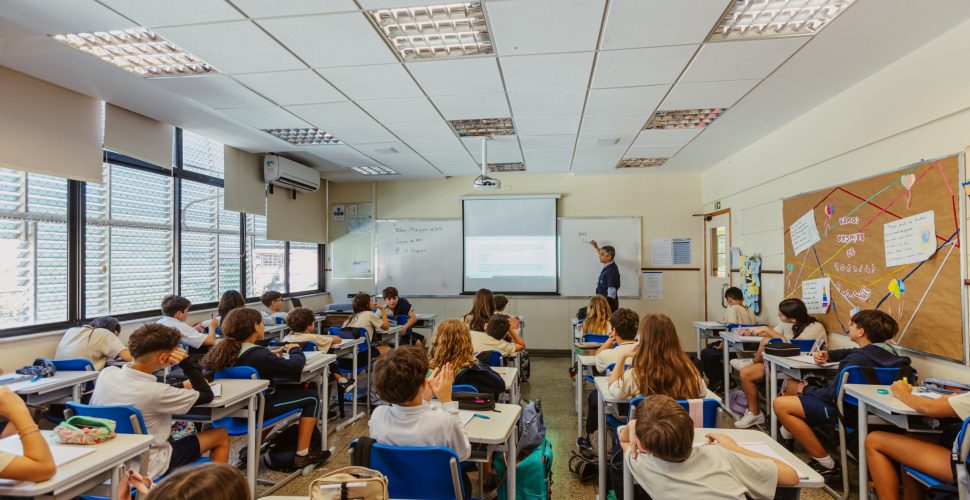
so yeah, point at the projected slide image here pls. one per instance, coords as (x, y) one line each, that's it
(510, 256)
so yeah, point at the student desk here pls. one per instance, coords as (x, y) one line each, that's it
(86, 473)
(887, 407)
(275, 331)
(386, 336)
(237, 396)
(498, 433)
(425, 320)
(511, 378)
(582, 361)
(707, 330)
(735, 343)
(62, 386)
(317, 369)
(809, 478)
(794, 369)
(348, 348)
(603, 386)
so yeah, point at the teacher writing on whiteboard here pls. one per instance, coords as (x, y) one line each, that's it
(608, 284)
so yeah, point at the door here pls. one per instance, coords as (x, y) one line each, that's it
(717, 261)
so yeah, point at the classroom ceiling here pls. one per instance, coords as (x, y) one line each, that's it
(579, 78)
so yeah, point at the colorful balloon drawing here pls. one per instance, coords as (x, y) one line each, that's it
(791, 270)
(908, 180)
(898, 288)
(829, 210)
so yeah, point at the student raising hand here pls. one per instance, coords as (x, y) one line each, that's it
(441, 381)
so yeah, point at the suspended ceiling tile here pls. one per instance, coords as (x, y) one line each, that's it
(174, 12)
(666, 137)
(383, 81)
(453, 146)
(741, 60)
(215, 91)
(393, 4)
(652, 151)
(547, 166)
(400, 110)
(625, 100)
(331, 40)
(238, 47)
(605, 141)
(497, 143)
(547, 72)
(457, 76)
(292, 87)
(563, 156)
(656, 23)
(278, 8)
(547, 125)
(633, 67)
(544, 26)
(707, 94)
(547, 103)
(435, 130)
(462, 107)
(597, 159)
(624, 123)
(53, 17)
(499, 156)
(547, 142)
(266, 118)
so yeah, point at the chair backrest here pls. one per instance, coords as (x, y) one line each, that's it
(856, 375)
(73, 365)
(808, 345)
(494, 358)
(708, 410)
(962, 445)
(128, 419)
(463, 388)
(402, 319)
(306, 346)
(420, 472)
(237, 372)
(361, 333)
(595, 337)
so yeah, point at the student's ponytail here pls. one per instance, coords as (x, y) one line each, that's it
(238, 325)
(795, 309)
(222, 355)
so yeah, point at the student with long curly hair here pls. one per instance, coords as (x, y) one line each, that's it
(597, 316)
(483, 307)
(452, 344)
(242, 328)
(660, 365)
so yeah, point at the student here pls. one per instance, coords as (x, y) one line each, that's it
(154, 347)
(815, 406)
(399, 306)
(608, 284)
(887, 451)
(230, 300)
(493, 338)
(411, 419)
(665, 462)
(241, 329)
(712, 357)
(597, 316)
(622, 339)
(96, 341)
(273, 315)
(36, 464)
(483, 307)
(302, 324)
(211, 481)
(501, 302)
(175, 309)
(795, 323)
(452, 345)
(365, 317)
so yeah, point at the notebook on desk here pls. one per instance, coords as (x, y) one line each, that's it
(62, 454)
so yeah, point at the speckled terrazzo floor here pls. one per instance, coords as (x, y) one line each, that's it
(550, 383)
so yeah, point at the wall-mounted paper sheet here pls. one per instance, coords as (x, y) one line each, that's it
(816, 295)
(804, 233)
(653, 285)
(910, 240)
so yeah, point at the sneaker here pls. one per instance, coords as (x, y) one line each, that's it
(349, 385)
(832, 477)
(314, 457)
(749, 419)
(740, 363)
(331, 414)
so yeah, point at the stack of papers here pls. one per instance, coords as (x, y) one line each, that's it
(808, 358)
(766, 450)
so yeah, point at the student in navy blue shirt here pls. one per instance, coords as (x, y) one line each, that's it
(398, 306)
(608, 284)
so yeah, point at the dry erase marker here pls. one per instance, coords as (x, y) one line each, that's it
(479, 415)
(905, 380)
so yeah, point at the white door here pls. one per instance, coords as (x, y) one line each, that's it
(717, 261)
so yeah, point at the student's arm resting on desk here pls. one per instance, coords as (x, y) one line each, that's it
(37, 464)
(517, 341)
(935, 408)
(196, 381)
(787, 475)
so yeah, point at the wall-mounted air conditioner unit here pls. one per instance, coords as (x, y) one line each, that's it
(286, 173)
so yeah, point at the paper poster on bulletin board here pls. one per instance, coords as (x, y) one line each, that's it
(891, 242)
(352, 247)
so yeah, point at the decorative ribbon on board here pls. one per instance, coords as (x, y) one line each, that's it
(829, 210)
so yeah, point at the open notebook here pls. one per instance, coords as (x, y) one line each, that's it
(808, 358)
(63, 454)
(767, 450)
(16, 382)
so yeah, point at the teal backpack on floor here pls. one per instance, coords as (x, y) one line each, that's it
(533, 475)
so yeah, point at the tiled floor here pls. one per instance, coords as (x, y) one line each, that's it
(557, 396)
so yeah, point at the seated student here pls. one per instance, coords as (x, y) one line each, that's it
(365, 317)
(231, 299)
(273, 315)
(597, 316)
(96, 341)
(623, 338)
(241, 329)
(795, 323)
(483, 307)
(666, 463)
(154, 347)
(175, 309)
(399, 306)
(211, 481)
(36, 464)
(302, 323)
(712, 357)
(493, 338)
(815, 406)
(452, 345)
(501, 302)
(928, 453)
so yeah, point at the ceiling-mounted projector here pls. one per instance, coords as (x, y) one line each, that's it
(486, 183)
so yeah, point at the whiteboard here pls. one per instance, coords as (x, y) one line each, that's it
(579, 267)
(419, 256)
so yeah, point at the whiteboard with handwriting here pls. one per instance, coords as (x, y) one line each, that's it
(578, 265)
(419, 256)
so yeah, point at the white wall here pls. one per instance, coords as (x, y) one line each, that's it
(665, 202)
(916, 108)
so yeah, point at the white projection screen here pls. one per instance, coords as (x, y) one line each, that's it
(510, 244)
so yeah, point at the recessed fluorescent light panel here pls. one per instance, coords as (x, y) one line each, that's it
(303, 136)
(140, 51)
(683, 118)
(483, 127)
(446, 30)
(374, 170)
(507, 167)
(748, 19)
(640, 162)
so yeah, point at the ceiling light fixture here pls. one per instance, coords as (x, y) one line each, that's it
(374, 170)
(517, 166)
(303, 136)
(640, 162)
(483, 127)
(775, 18)
(139, 51)
(447, 30)
(683, 118)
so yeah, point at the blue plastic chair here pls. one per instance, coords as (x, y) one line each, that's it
(418, 472)
(238, 426)
(960, 486)
(595, 337)
(711, 406)
(494, 358)
(402, 319)
(805, 345)
(306, 346)
(72, 364)
(361, 367)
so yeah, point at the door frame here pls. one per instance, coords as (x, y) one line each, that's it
(705, 268)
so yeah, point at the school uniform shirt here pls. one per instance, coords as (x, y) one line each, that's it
(711, 472)
(428, 424)
(627, 388)
(368, 320)
(608, 283)
(483, 342)
(269, 319)
(739, 315)
(322, 342)
(611, 356)
(190, 336)
(814, 331)
(95, 344)
(157, 403)
(269, 365)
(402, 308)
(961, 405)
(878, 355)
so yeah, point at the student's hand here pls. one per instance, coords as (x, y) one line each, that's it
(721, 439)
(900, 388)
(631, 434)
(514, 322)
(821, 356)
(611, 339)
(199, 327)
(277, 351)
(593, 242)
(441, 381)
(288, 347)
(336, 340)
(176, 356)
(135, 480)
(13, 407)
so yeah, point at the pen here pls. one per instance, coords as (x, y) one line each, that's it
(35, 378)
(479, 415)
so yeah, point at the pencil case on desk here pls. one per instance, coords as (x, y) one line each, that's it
(782, 349)
(945, 386)
(84, 430)
(475, 401)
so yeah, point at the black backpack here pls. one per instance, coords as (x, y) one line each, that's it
(282, 448)
(524, 367)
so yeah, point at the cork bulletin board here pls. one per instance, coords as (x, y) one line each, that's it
(890, 242)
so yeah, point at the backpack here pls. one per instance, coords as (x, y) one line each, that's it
(533, 474)
(615, 478)
(282, 448)
(350, 482)
(584, 464)
(532, 426)
(524, 367)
